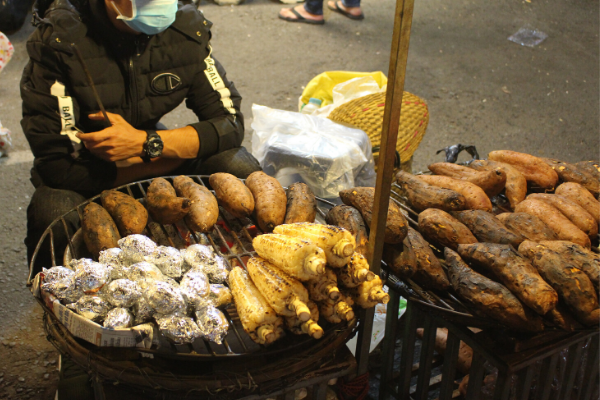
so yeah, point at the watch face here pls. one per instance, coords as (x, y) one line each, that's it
(155, 147)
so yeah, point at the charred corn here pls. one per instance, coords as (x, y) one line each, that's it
(369, 293)
(337, 243)
(286, 295)
(355, 272)
(259, 320)
(310, 327)
(324, 287)
(338, 310)
(301, 259)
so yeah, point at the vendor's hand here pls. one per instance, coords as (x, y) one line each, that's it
(118, 142)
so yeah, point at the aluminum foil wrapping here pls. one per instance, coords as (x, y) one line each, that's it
(218, 296)
(91, 276)
(168, 259)
(136, 248)
(91, 307)
(77, 264)
(56, 274)
(143, 273)
(179, 329)
(164, 297)
(142, 311)
(194, 286)
(212, 324)
(122, 293)
(196, 255)
(114, 259)
(217, 270)
(66, 289)
(118, 318)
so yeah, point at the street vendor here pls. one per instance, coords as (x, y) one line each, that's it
(137, 60)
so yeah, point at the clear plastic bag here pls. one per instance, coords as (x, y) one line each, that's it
(295, 147)
(5, 140)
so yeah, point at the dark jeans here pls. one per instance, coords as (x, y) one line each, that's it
(315, 7)
(47, 204)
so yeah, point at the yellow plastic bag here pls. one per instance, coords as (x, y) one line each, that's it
(321, 86)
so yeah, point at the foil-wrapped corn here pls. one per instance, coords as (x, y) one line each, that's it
(142, 311)
(56, 273)
(92, 307)
(118, 318)
(194, 286)
(122, 293)
(217, 271)
(91, 276)
(179, 329)
(168, 259)
(196, 254)
(143, 273)
(136, 248)
(113, 258)
(212, 323)
(164, 297)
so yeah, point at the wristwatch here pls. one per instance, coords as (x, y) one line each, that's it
(153, 146)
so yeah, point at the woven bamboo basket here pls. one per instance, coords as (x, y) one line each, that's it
(366, 113)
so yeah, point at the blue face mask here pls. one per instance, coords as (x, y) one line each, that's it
(150, 16)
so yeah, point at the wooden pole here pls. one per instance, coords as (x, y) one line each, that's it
(385, 164)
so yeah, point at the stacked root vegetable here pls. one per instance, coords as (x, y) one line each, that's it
(518, 234)
(290, 285)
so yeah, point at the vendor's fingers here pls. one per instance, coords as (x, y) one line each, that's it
(99, 116)
(93, 137)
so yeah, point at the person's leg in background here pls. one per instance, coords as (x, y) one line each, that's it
(348, 8)
(237, 161)
(310, 12)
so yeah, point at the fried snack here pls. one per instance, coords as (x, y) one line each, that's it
(204, 211)
(429, 273)
(570, 209)
(571, 283)
(269, 198)
(163, 204)
(516, 184)
(591, 167)
(572, 173)
(422, 195)
(129, 214)
(232, 194)
(401, 259)
(99, 230)
(492, 182)
(581, 196)
(474, 195)
(527, 225)
(487, 228)
(350, 219)
(514, 271)
(355, 272)
(301, 204)
(440, 228)
(551, 216)
(362, 198)
(489, 297)
(533, 168)
(584, 259)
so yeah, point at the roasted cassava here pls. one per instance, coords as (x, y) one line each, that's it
(527, 225)
(204, 211)
(533, 168)
(232, 194)
(572, 173)
(163, 204)
(487, 228)
(492, 182)
(581, 196)
(350, 219)
(429, 272)
(355, 272)
(99, 229)
(570, 209)
(440, 228)
(515, 188)
(362, 198)
(129, 214)
(301, 204)
(474, 195)
(422, 195)
(269, 200)
(489, 297)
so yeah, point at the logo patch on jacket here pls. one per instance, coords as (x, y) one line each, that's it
(166, 83)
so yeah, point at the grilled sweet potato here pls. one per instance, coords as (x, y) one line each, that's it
(489, 297)
(562, 318)
(362, 198)
(572, 173)
(570, 209)
(492, 182)
(527, 225)
(422, 195)
(584, 259)
(533, 168)
(591, 167)
(516, 184)
(578, 194)
(129, 214)
(440, 228)
(204, 211)
(514, 271)
(232, 194)
(163, 204)
(301, 204)
(429, 271)
(571, 283)
(350, 219)
(99, 229)
(487, 228)
(474, 195)
(270, 200)
(555, 220)
(401, 259)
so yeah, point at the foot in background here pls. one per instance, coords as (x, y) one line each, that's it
(347, 11)
(299, 14)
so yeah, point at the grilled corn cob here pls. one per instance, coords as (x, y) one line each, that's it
(286, 295)
(370, 293)
(301, 259)
(323, 287)
(338, 310)
(259, 320)
(355, 272)
(310, 327)
(337, 243)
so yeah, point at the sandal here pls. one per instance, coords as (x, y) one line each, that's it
(300, 18)
(345, 13)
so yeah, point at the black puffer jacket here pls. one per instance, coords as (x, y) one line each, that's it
(139, 77)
